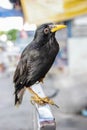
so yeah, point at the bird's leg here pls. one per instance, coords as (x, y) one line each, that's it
(39, 100)
(35, 98)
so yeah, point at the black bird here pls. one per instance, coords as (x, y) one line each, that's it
(36, 60)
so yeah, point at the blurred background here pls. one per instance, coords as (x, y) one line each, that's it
(66, 82)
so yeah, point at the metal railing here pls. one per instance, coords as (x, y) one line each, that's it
(43, 117)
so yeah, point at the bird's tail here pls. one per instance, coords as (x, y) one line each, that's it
(19, 97)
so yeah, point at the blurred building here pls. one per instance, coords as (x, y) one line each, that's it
(70, 13)
(77, 44)
(26, 15)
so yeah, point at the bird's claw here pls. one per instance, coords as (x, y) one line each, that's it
(32, 102)
(56, 105)
(42, 101)
(51, 102)
(37, 100)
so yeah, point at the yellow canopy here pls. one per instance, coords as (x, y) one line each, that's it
(40, 11)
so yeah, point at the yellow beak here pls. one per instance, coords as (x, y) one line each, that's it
(57, 27)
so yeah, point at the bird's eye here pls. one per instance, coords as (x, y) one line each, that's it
(46, 30)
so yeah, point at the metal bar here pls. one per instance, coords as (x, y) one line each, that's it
(44, 117)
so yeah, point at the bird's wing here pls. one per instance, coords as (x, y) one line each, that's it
(27, 63)
(21, 67)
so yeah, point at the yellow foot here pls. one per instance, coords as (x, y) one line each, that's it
(42, 101)
(39, 100)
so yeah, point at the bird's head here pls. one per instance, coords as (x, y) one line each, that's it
(45, 31)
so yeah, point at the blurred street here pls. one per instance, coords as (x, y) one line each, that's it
(66, 116)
